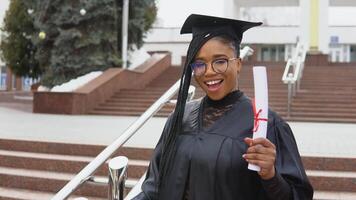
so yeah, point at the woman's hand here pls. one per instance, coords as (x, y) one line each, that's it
(261, 152)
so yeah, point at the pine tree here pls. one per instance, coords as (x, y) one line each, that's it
(17, 49)
(76, 37)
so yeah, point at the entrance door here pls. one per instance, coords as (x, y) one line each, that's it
(336, 54)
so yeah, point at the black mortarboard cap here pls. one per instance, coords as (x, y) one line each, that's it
(204, 25)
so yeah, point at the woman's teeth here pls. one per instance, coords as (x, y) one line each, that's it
(212, 82)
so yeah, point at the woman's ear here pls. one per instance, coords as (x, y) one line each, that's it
(238, 65)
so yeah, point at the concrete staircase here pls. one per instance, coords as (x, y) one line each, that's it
(332, 178)
(32, 170)
(328, 94)
(135, 102)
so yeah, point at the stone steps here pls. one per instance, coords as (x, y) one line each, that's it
(327, 195)
(322, 98)
(61, 163)
(135, 102)
(24, 194)
(333, 180)
(321, 118)
(42, 168)
(45, 181)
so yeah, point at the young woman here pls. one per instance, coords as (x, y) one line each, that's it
(206, 144)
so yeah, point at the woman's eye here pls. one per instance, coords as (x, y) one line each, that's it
(198, 64)
(220, 61)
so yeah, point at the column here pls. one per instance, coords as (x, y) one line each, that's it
(324, 36)
(314, 25)
(304, 23)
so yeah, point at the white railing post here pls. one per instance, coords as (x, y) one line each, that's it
(290, 93)
(117, 177)
(124, 29)
(293, 79)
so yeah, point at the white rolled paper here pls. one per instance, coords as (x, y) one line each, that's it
(261, 106)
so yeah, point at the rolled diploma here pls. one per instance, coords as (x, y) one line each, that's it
(261, 102)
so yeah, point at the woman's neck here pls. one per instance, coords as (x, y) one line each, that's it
(229, 99)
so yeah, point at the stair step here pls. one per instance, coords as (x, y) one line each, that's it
(45, 181)
(332, 180)
(48, 181)
(318, 119)
(23, 194)
(322, 114)
(329, 163)
(71, 149)
(62, 163)
(328, 195)
(324, 110)
(325, 100)
(127, 113)
(301, 104)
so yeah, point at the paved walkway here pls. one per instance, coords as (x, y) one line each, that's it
(314, 139)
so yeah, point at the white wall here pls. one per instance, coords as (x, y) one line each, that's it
(271, 35)
(169, 39)
(346, 34)
(323, 26)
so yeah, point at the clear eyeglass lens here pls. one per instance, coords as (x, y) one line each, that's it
(198, 68)
(220, 65)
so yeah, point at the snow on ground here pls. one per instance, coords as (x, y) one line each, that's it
(76, 83)
(136, 58)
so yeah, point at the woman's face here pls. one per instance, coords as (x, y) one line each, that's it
(217, 85)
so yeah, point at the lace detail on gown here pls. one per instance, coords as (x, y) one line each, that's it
(212, 111)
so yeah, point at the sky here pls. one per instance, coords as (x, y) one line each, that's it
(3, 7)
(172, 13)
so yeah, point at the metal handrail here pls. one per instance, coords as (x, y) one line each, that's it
(88, 170)
(292, 77)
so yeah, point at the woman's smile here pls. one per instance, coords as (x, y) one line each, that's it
(214, 85)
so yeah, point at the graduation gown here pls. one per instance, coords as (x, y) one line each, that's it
(209, 160)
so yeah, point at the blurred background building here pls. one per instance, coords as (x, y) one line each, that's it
(324, 26)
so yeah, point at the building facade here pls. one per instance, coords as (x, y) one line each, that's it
(323, 26)
(318, 24)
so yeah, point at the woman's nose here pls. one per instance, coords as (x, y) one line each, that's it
(209, 69)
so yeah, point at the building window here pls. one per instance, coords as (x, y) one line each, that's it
(281, 56)
(353, 53)
(2, 77)
(265, 54)
(272, 53)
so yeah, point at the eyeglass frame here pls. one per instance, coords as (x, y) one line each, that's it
(212, 65)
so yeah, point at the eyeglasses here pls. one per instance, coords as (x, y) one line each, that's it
(219, 66)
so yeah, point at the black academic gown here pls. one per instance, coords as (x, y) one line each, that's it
(210, 160)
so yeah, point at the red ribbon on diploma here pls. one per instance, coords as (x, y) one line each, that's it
(256, 117)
